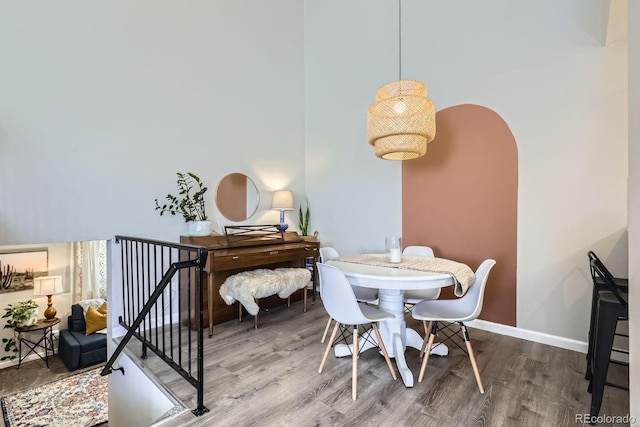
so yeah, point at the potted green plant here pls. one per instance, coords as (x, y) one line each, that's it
(21, 315)
(190, 205)
(303, 220)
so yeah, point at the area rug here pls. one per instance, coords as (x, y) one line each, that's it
(78, 400)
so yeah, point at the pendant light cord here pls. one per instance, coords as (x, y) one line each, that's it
(399, 39)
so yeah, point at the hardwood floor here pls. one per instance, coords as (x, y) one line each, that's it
(268, 377)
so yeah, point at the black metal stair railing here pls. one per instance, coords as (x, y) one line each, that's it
(162, 295)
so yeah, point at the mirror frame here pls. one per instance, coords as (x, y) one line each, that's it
(231, 207)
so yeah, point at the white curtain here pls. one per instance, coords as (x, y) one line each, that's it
(90, 270)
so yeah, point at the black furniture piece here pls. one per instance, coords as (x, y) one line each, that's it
(599, 285)
(611, 306)
(45, 342)
(78, 350)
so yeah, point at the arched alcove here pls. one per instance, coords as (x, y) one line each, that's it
(462, 200)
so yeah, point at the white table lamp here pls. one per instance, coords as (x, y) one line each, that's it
(282, 201)
(48, 285)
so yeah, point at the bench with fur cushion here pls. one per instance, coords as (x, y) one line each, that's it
(248, 286)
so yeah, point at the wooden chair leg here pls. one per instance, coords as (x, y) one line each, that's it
(425, 359)
(472, 358)
(329, 344)
(426, 335)
(304, 298)
(354, 357)
(239, 312)
(326, 330)
(255, 321)
(384, 351)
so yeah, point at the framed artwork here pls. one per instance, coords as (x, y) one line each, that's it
(18, 269)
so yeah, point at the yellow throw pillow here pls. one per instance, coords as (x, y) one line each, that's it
(103, 308)
(95, 320)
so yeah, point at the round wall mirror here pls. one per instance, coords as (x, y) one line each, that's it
(237, 197)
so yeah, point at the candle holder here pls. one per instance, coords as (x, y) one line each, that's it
(394, 249)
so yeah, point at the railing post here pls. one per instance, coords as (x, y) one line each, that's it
(202, 256)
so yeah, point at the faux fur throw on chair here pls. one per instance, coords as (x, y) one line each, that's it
(248, 286)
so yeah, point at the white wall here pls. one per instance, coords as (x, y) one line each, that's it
(59, 259)
(102, 103)
(350, 51)
(543, 67)
(634, 207)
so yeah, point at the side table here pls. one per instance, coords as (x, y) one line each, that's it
(45, 342)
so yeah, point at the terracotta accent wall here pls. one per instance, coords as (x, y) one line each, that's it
(462, 199)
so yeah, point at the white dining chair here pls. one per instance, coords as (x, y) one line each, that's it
(366, 295)
(340, 302)
(413, 297)
(451, 311)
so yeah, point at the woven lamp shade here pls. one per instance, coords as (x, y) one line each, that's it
(402, 121)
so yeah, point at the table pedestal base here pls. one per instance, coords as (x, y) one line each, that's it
(391, 284)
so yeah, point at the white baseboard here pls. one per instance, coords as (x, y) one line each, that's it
(542, 338)
(556, 341)
(14, 362)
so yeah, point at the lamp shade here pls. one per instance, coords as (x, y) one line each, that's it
(47, 285)
(401, 121)
(282, 200)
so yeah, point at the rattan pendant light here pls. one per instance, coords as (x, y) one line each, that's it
(402, 120)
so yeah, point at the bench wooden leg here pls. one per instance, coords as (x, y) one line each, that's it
(304, 298)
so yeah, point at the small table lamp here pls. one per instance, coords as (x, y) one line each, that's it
(48, 285)
(282, 201)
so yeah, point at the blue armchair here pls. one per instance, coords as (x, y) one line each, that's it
(78, 350)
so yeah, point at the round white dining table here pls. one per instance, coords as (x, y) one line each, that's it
(391, 284)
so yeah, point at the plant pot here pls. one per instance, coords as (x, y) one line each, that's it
(199, 228)
(31, 318)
